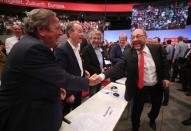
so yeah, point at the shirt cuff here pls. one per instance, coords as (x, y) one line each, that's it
(102, 76)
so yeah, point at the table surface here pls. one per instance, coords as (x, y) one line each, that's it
(121, 81)
(102, 111)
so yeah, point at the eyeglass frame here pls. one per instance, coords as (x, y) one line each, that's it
(138, 36)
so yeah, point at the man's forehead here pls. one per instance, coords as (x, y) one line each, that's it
(138, 31)
(96, 35)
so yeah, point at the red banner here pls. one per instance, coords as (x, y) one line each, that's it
(71, 6)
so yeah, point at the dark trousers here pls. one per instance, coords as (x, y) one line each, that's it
(155, 95)
(176, 70)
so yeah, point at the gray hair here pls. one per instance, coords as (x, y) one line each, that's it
(37, 17)
(70, 27)
(95, 32)
(123, 35)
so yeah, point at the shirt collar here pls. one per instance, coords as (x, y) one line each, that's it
(73, 47)
(145, 50)
(95, 47)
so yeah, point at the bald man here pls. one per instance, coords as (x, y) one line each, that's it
(118, 49)
(148, 81)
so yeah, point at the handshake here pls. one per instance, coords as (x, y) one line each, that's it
(94, 80)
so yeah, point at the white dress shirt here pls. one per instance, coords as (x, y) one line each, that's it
(78, 57)
(10, 42)
(99, 55)
(150, 76)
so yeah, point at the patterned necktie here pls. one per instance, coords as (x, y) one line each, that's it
(141, 71)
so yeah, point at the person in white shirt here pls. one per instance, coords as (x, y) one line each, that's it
(68, 57)
(11, 41)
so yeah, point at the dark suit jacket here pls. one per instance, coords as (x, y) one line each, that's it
(83, 44)
(116, 53)
(129, 64)
(90, 60)
(30, 88)
(66, 58)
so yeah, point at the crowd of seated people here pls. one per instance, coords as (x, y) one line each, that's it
(6, 22)
(160, 16)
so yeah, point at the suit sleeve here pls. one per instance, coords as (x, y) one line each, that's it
(40, 63)
(60, 57)
(118, 69)
(113, 58)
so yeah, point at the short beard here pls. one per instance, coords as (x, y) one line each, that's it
(139, 47)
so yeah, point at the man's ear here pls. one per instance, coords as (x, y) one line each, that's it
(41, 30)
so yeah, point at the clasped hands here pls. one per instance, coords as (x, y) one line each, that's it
(94, 80)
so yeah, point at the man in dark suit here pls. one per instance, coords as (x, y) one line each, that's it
(31, 79)
(67, 55)
(147, 75)
(93, 59)
(117, 50)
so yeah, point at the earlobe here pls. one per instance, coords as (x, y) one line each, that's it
(40, 31)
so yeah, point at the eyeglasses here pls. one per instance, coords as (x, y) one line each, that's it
(137, 36)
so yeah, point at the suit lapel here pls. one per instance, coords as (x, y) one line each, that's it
(94, 56)
(134, 59)
(74, 59)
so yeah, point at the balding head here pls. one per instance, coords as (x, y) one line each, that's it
(139, 31)
(138, 39)
(122, 39)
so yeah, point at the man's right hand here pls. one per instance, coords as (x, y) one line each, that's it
(94, 80)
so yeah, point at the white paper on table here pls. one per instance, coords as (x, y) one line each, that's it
(88, 122)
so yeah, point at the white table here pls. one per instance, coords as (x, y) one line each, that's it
(66, 127)
(121, 81)
(100, 112)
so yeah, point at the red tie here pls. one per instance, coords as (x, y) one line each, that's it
(141, 71)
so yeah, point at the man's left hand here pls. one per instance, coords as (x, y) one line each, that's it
(165, 83)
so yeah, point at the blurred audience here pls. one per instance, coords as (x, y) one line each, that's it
(160, 16)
